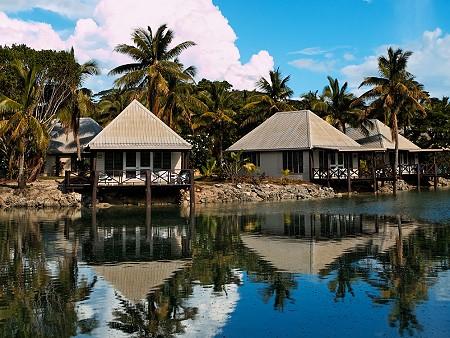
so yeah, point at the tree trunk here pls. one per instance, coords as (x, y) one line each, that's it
(21, 181)
(76, 136)
(395, 134)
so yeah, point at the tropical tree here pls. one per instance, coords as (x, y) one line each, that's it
(111, 103)
(154, 62)
(218, 115)
(180, 103)
(79, 103)
(273, 97)
(393, 90)
(337, 106)
(21, 124)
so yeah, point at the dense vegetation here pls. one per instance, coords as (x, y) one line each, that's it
(38, 87)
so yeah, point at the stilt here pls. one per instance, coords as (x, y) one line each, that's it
(192, 194)
(94, 190)
(374, 175)
(418, 176)
(435, 173)
(349, 180)
(148, 189)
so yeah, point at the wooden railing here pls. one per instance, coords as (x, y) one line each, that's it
(381, 173)
(139, 177)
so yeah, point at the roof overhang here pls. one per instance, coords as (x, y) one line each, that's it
(436, 150)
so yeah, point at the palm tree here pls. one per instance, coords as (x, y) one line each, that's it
(219, 114)
(181, 104)
(111, 103)
(154, 61)
(273, 98)
(337, 105)
(22, 126)
(391, 92)
(79, 103)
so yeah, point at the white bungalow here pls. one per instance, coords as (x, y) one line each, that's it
(136, 141)
(299, 141)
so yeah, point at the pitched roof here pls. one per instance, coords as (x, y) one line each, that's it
(62, 142)
(379, 135)
(294, 130)
(138, 128)
(135, 280)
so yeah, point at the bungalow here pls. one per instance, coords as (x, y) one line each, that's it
(299, 141)
(62, 151)
(137, 141)
(378, 137)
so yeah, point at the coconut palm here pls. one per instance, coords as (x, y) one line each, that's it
(393, 90)
(111, 103)
(337, 106)
(154, 61)
(273, 97)
(79, 102)
(23, 128)
(219, 114)
(181, 104)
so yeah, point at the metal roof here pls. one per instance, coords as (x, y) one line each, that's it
(138, 128)
(294, 130)
(378, 135)
(62, 141)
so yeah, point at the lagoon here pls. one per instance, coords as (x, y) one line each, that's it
(362, 266)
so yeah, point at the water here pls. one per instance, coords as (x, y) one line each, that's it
(361, 267)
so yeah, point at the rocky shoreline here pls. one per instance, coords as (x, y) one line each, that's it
(38, 195)
(244, 192)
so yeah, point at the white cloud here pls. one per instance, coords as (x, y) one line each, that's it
(35, 35)
(313, 65)
(348, 57)
(430, 63)
(310, 51)
(69, 8)
(216, 55)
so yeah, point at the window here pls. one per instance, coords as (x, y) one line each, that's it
(162, 160)
(131, 159)
(145, 159)
(293, 160)
(113, 162)
(253, 157)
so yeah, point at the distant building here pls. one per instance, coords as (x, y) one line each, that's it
(62, 151)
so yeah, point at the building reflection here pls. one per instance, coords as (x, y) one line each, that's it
(311, 243)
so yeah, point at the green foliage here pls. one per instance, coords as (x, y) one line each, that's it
(209, 168)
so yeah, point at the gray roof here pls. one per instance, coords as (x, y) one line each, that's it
(62, 141)
(378, 135)
(294, 130)
(137, 128)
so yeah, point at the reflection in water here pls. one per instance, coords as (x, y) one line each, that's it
(126, 272)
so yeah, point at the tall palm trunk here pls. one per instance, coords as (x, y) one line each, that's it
(21, 176)
(395, 134)
(76, 136)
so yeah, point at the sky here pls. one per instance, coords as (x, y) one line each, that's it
(240, 41)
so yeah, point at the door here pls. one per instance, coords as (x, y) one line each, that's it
(131, 164)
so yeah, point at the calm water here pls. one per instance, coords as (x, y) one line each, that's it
(357, 267)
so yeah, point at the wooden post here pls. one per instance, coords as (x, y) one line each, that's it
(66, 180)
(349, 178)
(328, 167)
(418, 176)
(374, 174)
(435, 172)
(148, 188)
(311, 170)
(191, 192)
(94, 191)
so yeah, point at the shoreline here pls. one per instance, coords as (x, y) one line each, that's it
(43, 194)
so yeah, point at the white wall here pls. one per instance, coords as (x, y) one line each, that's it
(176, 160)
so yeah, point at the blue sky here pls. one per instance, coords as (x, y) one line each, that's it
(241, 40)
